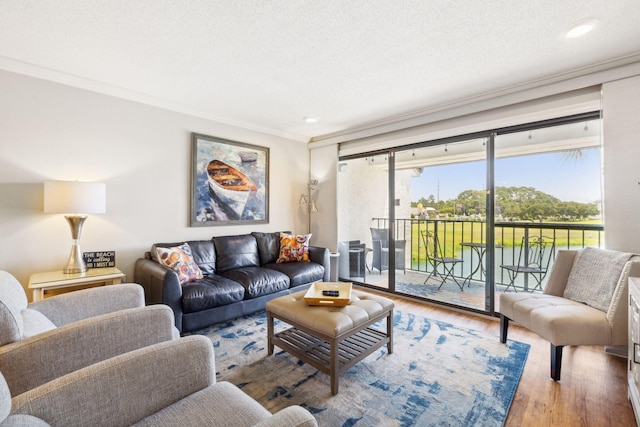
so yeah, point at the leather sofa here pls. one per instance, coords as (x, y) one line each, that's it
(240, 275)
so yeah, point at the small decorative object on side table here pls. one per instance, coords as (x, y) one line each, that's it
(41, 282)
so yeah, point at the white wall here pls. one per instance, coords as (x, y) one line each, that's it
(49, 131)
(621, 128)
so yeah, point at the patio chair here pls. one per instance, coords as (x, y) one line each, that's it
(437, 258)
(353, 255)
(533, 260)
(380, 243)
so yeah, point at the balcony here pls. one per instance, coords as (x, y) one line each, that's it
(508, 239)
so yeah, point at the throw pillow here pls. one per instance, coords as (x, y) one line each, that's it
(179, 258)
(594, 277)
(294, 248)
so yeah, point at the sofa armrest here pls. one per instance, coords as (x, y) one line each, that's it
(161, 286)
(34, 361)
(291, 416)
(125, 389)
(74, 306)
(320, 256)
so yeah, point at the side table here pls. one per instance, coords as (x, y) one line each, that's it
(41, 282)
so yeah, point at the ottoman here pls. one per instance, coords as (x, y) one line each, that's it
(331, 339)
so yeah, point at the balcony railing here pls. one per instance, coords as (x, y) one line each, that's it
(508, 240)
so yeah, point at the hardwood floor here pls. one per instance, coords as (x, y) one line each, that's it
(592, 391)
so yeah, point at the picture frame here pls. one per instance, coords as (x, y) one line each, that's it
(229, 182)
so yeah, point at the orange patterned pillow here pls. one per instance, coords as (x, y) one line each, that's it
(294, 248)
(179, 258)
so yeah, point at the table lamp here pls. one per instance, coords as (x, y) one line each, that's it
(75, 199)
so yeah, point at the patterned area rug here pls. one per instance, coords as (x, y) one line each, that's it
(438, 375)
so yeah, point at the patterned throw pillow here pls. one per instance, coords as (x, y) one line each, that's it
(179, 258)
(294, 248)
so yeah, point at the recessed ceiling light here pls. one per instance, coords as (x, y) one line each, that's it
(581, 28)
(309, 119)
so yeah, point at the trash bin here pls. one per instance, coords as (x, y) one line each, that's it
(333, 266)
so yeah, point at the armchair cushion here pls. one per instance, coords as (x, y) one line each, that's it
(35, 323)
(594, 277)
(12, 301)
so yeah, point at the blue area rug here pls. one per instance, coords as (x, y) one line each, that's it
(438, 375)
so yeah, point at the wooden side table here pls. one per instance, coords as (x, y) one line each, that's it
(41, 282)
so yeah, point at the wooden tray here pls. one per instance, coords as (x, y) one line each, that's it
(314, 294)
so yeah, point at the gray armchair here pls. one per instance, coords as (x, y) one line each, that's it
(168, 384)
(50, 338)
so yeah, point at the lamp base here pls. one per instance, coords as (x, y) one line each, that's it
(76, 263)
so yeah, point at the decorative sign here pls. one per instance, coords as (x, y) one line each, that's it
(99, 259)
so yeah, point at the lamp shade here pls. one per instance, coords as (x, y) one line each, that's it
(73, 197)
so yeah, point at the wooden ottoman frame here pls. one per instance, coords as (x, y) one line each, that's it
(319, 337)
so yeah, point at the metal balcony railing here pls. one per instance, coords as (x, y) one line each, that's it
(508, 240)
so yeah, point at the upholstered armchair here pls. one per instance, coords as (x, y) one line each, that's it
(50, 338)
(583, 303)
(167, 384)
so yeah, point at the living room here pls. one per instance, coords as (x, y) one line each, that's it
(57, 126)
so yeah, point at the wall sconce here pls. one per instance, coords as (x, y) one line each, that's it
(307, 199)
(75, 199)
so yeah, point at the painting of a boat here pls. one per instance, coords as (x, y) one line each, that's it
(232, 187)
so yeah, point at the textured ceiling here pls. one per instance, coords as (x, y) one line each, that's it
(265, 65)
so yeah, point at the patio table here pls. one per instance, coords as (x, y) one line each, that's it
(480, 249)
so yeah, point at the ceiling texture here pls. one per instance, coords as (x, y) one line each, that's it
(266, 64)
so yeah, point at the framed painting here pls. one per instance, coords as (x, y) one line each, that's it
(229, 182)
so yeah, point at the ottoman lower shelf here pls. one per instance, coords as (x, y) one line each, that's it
(317, 352)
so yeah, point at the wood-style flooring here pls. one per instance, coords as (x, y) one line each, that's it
(593, 386)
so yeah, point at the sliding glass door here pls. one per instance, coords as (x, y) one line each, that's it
(450, 220)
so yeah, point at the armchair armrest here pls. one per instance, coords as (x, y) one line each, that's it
(34, 361)
(320, 256)
(125, 389)
(161, 286)
(559, 274)
(291, 416)
(74, 306)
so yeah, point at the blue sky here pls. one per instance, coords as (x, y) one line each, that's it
(576, 180)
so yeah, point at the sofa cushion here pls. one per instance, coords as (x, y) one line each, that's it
(258, 281)
(236, 252)
(294, 248)
(204, 254)
(299, 273)
(179, 259)
(268, 246)
(212, 291)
